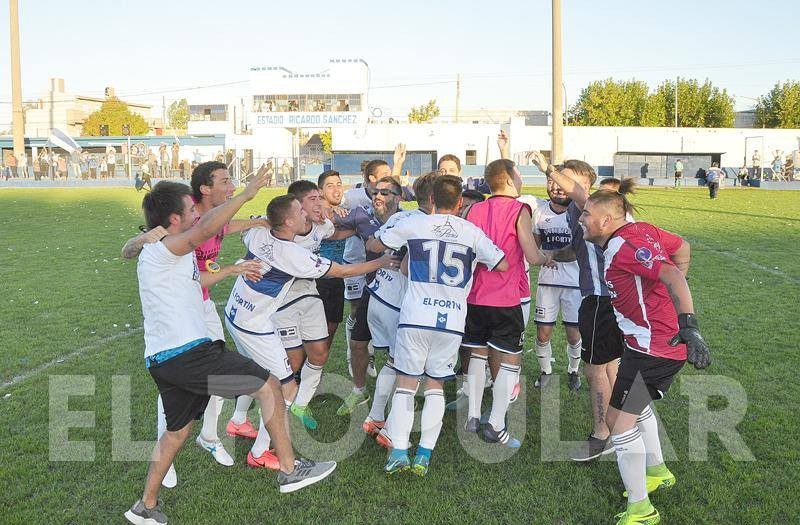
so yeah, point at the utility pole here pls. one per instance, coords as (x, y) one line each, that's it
(17, 115)
(458, 97)
(677, 81)
(557, 148)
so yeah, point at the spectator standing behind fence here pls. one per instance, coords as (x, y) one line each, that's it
(742, 176)
(163, 160)
(83, 162)
(176, 155)
(285, 170)
(111, 161)
(10, 169)
(93, 165)
(777, 165)
(756, 164)
(61, 163)
(44, 165)
(714, 176)
(678, 173)
(103, 168)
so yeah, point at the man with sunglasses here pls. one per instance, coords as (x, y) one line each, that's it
(363, 222)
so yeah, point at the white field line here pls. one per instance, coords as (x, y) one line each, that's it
(748, 262)
(75, 353)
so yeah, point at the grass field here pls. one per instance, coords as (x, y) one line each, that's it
(70, 306)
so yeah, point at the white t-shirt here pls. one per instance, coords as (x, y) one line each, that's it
(251, 304)
(443, 251)
(389, 286)
(172, 303)
(555, 234)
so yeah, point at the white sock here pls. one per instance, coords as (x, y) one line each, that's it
(501, 394)
(465, 385)
(211, 418)
(476, 377)
(262, 439)
(384, 385)
(574, 353)
(310, 376)
(401, 418)
(161, 425)
(431, 420)
(349, 324)
(648, 427)
(242, 406)
(543, 354)
(631, 461)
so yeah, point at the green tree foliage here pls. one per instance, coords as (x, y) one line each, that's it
(780, 108)
(327, 140)
(630, 103)
(178, 114)
(114, 113)
(424, 113)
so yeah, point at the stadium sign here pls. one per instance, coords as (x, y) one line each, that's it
(299, 119)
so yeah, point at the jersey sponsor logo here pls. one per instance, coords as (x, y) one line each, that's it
(441, 303)
(445, 230)
(441, 320)
(287, 333)
(241, 301)
(644, 256)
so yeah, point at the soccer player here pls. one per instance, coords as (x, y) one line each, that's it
(383, 315)
(602, 341)
(494, 320)
(211, 186)
(186, 365)
(557, 286)
(363, 222)
(645, 271)
(443, 251)
(331, 291)
(251, 305)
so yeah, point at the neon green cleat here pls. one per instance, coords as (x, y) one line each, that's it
(305, 416)
(420, 465)
(352, 400)
(649, 518)
(657, 482)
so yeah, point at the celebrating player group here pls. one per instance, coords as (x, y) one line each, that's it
(443, 290)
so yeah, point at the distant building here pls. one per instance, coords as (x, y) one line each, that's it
(745, 119)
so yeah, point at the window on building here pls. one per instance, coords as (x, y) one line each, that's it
(471, 157)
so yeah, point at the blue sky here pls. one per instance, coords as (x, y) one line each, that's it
(415, 49)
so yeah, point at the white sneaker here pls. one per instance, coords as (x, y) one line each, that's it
(171, 479)
(217, 450)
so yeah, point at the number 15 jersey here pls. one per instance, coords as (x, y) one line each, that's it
(443, 251)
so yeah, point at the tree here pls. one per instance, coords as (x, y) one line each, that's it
(780, 108)
(327, 140)
(699, 105)
(424, 113)
(114, 113)
(178, 114)
(611, 103)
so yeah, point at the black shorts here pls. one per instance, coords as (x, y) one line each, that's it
(185, 382)
(602, 340)
(641, 379)
(678, 174)
(331, 291)
(498, 327)
(358, 310)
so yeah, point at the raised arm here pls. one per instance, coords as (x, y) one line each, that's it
(239, 225)
(503, 145)
(399, 160)
(575, 191)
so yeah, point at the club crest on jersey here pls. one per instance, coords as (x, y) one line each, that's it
(644, 256)
(441, 320)
(445, 230)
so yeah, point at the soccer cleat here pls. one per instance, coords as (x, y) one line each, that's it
(217, 451)
(592, 448)
(657, 482)
(420, 465)
(353, 400)
(515, 393)
(651, 517)
(573, 381)
(243, 430)
(305, 473)
(398, 462)
(170, 478)
(502, 436)
(141, 515)
(305, 416)
(372, 427)
(458, 403)
(267, 460)
(382, 438)
(543, 381)
(473, 425)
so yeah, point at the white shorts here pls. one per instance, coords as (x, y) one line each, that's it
(382, 320)
(354, 287)
(429, 352)
(525, 303)
(301, 322)
(551, 299)
(265, 349)
(213, 322)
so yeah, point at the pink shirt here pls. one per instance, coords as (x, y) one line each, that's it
(497, 217)
(209, 251)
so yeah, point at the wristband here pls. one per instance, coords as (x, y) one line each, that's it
(687, 321)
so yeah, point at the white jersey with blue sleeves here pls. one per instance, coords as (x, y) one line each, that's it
(389, 286)
(251, 304)
(443, 251)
